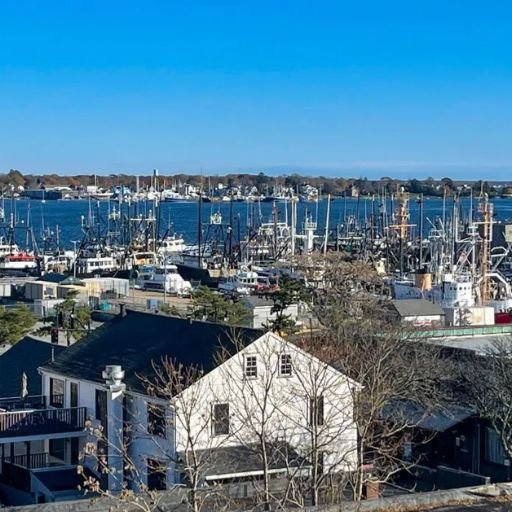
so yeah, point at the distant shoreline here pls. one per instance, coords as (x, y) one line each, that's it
(15, 180)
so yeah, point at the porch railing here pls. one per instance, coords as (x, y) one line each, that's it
(34, 460)
(17, 403)
(40, 422)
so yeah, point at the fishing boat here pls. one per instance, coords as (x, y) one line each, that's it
(243, 282)
(18, 261)
(96, 265)
(164, 278)
(171, 245)
(58, 261)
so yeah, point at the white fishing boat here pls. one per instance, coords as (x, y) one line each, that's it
(59, 261)
(163, 278)
(6, 248)
(101, 196)
(96, 265)
(18, 261)
(171, 245)
(243, 282)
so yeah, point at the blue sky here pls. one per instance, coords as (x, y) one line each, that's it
(392, 87)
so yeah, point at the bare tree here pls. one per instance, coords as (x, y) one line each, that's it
(167, 420)
(254, 421)
(399, 375)
(188, 395)
(487, 385)
(320, 416)
(111, 469)
(294, 412)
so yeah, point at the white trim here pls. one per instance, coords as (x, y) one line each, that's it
(44, 437)
(43, 371)
(256, 472)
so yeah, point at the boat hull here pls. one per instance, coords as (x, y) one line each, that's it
(192, 273)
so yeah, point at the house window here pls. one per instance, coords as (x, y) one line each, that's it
(494, 451)
(157, 477)
(250, 367)
(316, 411)
(56, 392)
(73, 394)
(101, 407)
(156, 420)
(220, 419)
(285, 365)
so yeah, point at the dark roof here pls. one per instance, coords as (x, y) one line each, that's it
(138, 340)
(228, 461)
(254, 301)
(25, 356)
(435, 419)
(416, 307)
(53, 277)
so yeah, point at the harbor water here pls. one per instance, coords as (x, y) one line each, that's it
(182, 218)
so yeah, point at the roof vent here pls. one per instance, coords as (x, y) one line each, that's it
(113, 375)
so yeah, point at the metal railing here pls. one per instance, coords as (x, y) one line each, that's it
(32, 461)
(472, 330)
(40, 422)
(17, 403)
(57, 401)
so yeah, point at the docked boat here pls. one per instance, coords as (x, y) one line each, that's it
(19, 261)
(97, 265)
(164, 278)
(142, 258)
(171, 245)
(176, 197)
(58, 261)
(243, 282)
(6, 249)
(101, 196)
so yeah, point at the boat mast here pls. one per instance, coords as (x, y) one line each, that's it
(486, 209)
(421, 231)
(199, 226)
(327, 215)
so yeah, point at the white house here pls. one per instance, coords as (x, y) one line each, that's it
(249, 387)
(272, 389)
(260, 311)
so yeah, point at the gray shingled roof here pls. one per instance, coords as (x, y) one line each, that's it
(25, 356)
(438, 419)
(416, 307)
(254, 301)
(138, 340)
